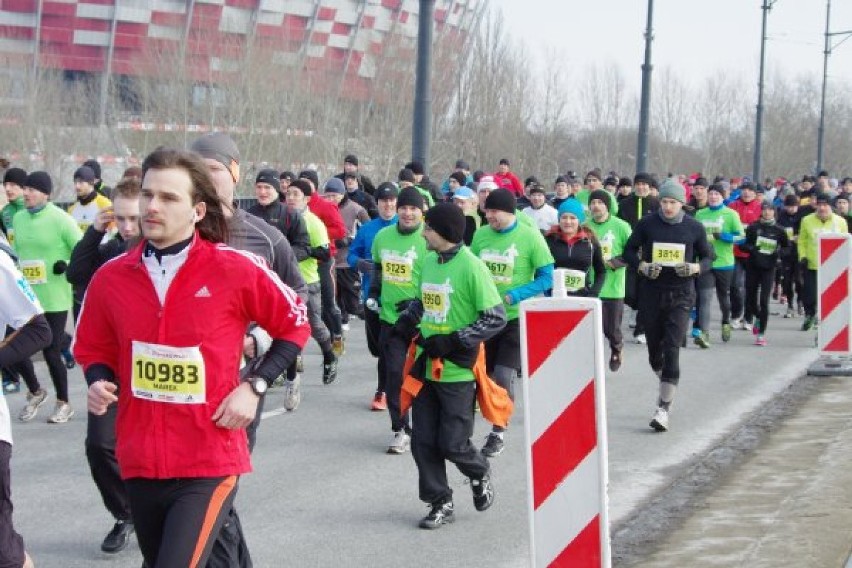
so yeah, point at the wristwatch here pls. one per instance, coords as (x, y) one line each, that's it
(258, 385)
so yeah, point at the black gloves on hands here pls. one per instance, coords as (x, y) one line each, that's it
(59, 267)
(439, 346)
(322, 254)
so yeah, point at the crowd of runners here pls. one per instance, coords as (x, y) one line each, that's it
(188, 309)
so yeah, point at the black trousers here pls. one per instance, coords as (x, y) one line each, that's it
(393, 352)
(22, 369)
(444, 416)
(720, 280)
(372, 329)
(738, 289)
(791, 280)
(330, 311)
(11, 543)
(348, 293)
(665, 312)
(612, 312)
(759, 284)
(100, 453)
(172, 517)
(809, 292)
(53, 354)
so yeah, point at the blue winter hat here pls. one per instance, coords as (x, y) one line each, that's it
(574, 207)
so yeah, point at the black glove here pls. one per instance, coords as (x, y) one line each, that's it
(343, 243)
(322, 254)
(59, 267)
(402, 305)
(439, 346)
(405, 327)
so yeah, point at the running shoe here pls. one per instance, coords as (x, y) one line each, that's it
(790, 313)
(11, 387)
(483, 492)
(300, 364)
(702, 340)
(726, 332)
(292, 393)
(441, 513)
(640, 339)
(660, 420)
(615, 361)
(345, 326)
(380, 402)
(62, 413)
(696, 332)
(329, 371)
(493, 445)
(34, 402)
(70, 362)
(399, 443)
(808, 323)
(118, 538)
(760, 341)
(747, 326)
(338, 345)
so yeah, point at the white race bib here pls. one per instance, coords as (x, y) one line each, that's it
(501, 266)
(34, 271)
(168, 374)
(397, 268)
(436, 301)
(574, 280)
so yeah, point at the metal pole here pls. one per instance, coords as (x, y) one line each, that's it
(645, 105)
(826, 53)
(758, 123)
(422, 135)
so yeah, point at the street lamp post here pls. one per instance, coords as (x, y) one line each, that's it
(826, 53)
(645, 104)
(758, 122)
(421, 136)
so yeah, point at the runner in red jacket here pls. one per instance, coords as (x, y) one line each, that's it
(508, 180)
(167, 348)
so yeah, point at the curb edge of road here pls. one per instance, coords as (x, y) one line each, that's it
(638, 535)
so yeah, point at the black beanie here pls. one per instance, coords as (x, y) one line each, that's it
(40, 181)
(416, 167)
(603, 195)
(85, 173)
(643, 177)
(410, 196)
(501, 200)
(95, 166)
(302, 186)
(447, 220)
(15, 175)
(270, 176)
(405, 174)
(351, 159)
(310, 175)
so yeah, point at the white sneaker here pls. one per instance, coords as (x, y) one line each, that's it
(344, 326)
(292, 393)
(62, 413)
(34, 402)
(400, 442)
(747, 326)
(631, 321)
(640, 339)
(660, 421)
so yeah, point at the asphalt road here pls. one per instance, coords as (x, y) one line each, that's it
(324, 492)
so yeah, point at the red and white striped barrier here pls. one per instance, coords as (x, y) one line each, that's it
(833, 284)
(565, 423)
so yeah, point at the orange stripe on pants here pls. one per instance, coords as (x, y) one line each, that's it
(213, 510)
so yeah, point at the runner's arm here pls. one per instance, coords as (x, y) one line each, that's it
(27, 340)
(489, 323)
(542, 282)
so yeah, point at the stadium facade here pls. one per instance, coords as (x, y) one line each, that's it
(330, 40)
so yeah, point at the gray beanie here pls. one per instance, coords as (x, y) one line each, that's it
(673, 190)
(217, 146)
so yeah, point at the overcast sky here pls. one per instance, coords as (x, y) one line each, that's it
(697, 38)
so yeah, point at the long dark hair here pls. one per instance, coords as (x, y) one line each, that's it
(214, 226)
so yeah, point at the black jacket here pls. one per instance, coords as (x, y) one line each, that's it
(633, 208)
(765, 260)
(89, 255)
(584, 255)
(289, 222)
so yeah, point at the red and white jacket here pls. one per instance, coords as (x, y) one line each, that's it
(211, 299)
